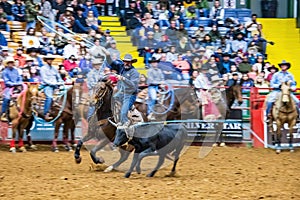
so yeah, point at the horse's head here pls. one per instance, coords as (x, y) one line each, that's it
(237, 92)
(285, 91)
(33, 93)
(102, 89)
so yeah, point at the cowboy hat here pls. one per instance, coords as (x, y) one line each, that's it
(8, 60)
(285, 63)
(4, 48)
(128, 58)
(32, 49)
(272, 67)
(70, 9)
(153, 59)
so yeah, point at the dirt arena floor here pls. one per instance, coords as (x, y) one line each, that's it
(226, 173)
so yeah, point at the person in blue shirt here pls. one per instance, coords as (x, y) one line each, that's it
(51, 80)
(127, 88)
(276, 81)
(12, 79)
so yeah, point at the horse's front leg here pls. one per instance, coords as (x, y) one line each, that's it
(56, 132)
(28, 135)
(66, 137)
(79, 145)
(12, 146)
(21, 143)
(291, 128)
(278, 136)
(100, 145)
(72, 129)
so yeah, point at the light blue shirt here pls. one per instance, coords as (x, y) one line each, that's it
(280, 77)
(11, 77)
(50, 75)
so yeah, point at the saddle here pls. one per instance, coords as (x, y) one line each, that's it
(134, 115)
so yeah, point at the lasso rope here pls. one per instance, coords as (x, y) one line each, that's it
(40, 120)
(42, 19)
(171, 92)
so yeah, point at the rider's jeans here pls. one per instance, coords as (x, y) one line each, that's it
(6, 99)
(152, 98)
(127, 102)
(48, 90)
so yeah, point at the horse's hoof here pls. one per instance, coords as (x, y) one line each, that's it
(150, 175)
(13, 150)
(78, 160)
(138, 170)
(22, 149)
(223, 144)
(171, 174)
(68, 148)
(100, 160)
(215, 145)
(127, 175)
(33, 147)
(108, 169)
(292, 150)
(55, 149)
(278, 151)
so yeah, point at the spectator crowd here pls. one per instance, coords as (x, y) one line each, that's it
(183, 36)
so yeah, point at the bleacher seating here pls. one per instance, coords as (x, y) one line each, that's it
(240, 14)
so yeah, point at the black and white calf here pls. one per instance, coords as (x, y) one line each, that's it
(154, 139)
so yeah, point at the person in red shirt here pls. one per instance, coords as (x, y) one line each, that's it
(70, 64)
(272, 71)
(20, 57)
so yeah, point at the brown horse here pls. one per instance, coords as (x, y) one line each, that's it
(20, 113)
(99, 126)
(102, 126)
(284, 111)
(63, 114)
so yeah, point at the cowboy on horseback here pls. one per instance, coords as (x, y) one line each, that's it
(276, 81)
(12, 80)
(51, 80)
(127, 86)
(155, 79)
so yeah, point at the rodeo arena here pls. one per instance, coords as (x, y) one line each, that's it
(201, 95)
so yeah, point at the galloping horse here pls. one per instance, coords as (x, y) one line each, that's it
(100, 128)
(284, 111)
(20, 113)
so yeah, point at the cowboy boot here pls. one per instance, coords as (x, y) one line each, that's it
(4, 117)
